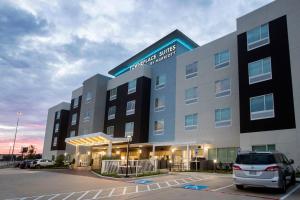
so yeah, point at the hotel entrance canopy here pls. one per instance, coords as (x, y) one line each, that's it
(94, 139)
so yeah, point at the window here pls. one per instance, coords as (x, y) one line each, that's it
(72, 133)
(131, 86)
(258, 37)
(130, 109)
(260, 70)
(191, 121)
(265, 147)
(222, 117)
(75, 102)
(58, 115)
(191, 95)
(87, 116)
(160, 82)
(55, 141)
(159, 104)
(110, 130)
(262, 107)
(113, 94)
(129, 129)
(111, 112)
(159, 126)
(56, 127)
(222, 59)
(88, 97)
(191, 70)
(222, 88)
(224, 155)
(74, 119)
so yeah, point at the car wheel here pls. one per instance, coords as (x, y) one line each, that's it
(38, 167)
(293, 179)
(283, 186)
(240, 187)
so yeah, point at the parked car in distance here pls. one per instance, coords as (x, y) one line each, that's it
(25, 164)
(263, 169)
(41, 163)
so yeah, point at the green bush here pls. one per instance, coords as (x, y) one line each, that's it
(111, 158)
(60, 160)
(149, 174)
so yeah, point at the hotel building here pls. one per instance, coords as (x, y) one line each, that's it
(180, 100)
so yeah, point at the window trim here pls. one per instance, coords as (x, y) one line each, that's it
(161, 85)
(264, 111)
(131, 90)
(131, 111)
(112, 97)
(228, 90)
(194, 74)
(191, 127)
(223, 121)
(109, 127)
(74, 122)
(260, 40)
(88, 100)
(223, 64)
(160, 131)
(191, 100)
(112, 116)
(76, 99)
(126, 133)
(160, 108)
(260, 75)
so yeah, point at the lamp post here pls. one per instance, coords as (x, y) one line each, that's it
(13, 149)
(215, 161)
(127, 155)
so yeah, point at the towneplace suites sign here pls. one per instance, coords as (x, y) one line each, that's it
(157, 57)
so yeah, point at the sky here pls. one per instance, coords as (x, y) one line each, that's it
(48, 48)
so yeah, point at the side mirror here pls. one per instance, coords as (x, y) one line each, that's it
(291, 161)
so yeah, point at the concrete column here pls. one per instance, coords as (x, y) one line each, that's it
(153, 151)
(77, 156)
(109, 149)
(188, 156)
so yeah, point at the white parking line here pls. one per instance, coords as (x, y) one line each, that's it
(83, 195)
(39, 197)
(124, 191)
(221, 188)
(68, 196)
(111, 192)
(291, 192)
(96, 195)
(54, 196)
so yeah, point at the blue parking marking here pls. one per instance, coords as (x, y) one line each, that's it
(143, 181)
(194, 187)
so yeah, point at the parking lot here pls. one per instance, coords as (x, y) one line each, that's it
(69, 185)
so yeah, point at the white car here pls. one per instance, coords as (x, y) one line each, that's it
(41, 163)
(263, 169)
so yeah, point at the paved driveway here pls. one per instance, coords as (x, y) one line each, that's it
(79, 185)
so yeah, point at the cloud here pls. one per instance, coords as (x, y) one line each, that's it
(48, 48)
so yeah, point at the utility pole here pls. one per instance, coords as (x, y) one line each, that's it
(13, 149)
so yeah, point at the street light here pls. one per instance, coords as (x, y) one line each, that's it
(13, 149)
(129, 138)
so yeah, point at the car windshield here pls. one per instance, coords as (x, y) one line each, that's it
(255, 159)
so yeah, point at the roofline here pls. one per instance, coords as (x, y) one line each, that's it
(174, 36)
